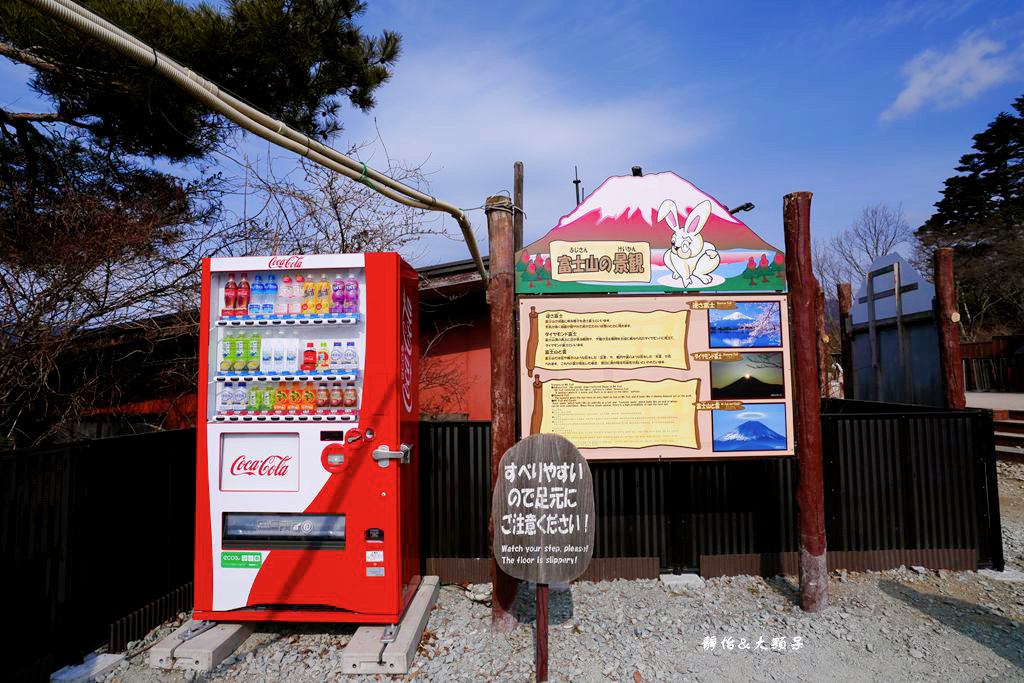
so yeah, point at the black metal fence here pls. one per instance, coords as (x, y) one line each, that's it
(93, 536)
(90, 533)
(897, 477)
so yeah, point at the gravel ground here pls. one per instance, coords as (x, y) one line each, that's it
(898, 625)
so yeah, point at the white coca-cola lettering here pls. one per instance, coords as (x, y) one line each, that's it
(285, 262)
(270, 466)
(406, 352)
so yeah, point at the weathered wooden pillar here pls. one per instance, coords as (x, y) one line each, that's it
(501, 298)
(948, 318)
(845, 294)
(517, 200)
(824, 364)
(810, 491)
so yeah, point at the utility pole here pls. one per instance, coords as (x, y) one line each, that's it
(810, 491)
(517, 201)
(501, 298)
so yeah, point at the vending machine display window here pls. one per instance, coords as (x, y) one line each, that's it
(255, 531)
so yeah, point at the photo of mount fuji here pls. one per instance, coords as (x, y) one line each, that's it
(658, 210)
(758, 427)
(758, 375)
(751, 324)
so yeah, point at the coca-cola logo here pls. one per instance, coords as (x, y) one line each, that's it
(270, 466)
(285, 262)
(406, 352)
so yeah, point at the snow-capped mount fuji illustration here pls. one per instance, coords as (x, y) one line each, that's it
(751, 436)
(626, 208)
(657, 233)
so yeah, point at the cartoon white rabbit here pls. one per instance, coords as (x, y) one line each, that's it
(690, 257)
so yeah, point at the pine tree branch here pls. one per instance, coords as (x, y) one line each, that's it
(26, 57)
(32, 117)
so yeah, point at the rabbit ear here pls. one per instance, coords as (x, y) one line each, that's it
(669, 213)
(698, 217)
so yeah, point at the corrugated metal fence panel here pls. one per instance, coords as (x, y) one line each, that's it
(918, 478)
(89, 533)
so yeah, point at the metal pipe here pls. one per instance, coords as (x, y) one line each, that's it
(252, 119)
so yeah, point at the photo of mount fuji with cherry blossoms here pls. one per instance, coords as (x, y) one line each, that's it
(750, 324)
(758, 427)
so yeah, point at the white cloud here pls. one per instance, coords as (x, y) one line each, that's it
(751, 415)
(947, 80)
(472, 110)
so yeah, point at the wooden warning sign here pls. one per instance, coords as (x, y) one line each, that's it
(543, 511)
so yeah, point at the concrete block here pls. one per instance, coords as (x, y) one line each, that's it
(201, 653)
(681, 582)
(92, 668)
(363, 653)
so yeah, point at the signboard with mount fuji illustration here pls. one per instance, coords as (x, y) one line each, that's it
(651, 233)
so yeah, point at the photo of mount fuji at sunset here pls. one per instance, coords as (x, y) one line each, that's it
(758, 375)
(758, 427)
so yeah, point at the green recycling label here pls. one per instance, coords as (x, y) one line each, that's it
(241, 560)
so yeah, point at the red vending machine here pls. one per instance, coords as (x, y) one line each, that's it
(306, 477)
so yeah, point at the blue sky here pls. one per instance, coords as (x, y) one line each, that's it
(857, 102)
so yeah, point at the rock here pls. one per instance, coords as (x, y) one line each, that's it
(916, 654)
(919, 569)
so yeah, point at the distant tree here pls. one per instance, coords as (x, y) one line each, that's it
(981, 215)
(91, 235)
(846, 256)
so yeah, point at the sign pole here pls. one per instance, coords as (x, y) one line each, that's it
(501, 298)
(542, 632)
(810, 492)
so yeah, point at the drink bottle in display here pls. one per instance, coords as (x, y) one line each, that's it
(256, 297)
(227, 352)
(351, 294)
(284, 295)
(266, 356)
(291, 355)
(323, 296)
(269, 398)
(309, 296)
(322, 359)
(281, 397)
(308, 398)
(337, 356)
(242, 295)
(295, 299)
(322, 396)
(269, 297)
(230, 290)
(279, 345)
(252, 356)
(255, 398)
(241, 352)
(350, 398)
(226, 400)
(338, 295)
(308, 358)
(335, 397)
(295, 398)
(350, 357)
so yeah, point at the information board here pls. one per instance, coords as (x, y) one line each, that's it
(658, 377)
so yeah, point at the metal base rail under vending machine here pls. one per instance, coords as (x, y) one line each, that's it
(306, 487)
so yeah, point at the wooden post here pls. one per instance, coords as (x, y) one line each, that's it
(542, 632)
(845, 294)
(517, 201)
(824, 383)
(948, 318)
(876, 362)
(501, 297)
(810, 491)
